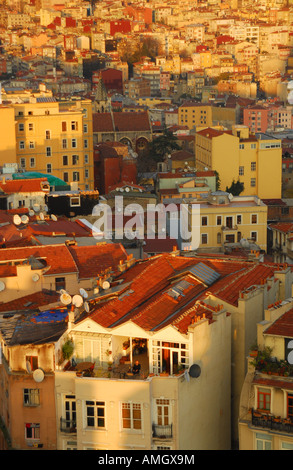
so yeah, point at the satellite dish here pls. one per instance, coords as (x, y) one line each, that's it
(230, 196)
(65, 298)
(46, 208)
(36, 207)
(24, 219)
(2, 286)
(195, 371)
(35, 277)
(127, 190)
(77, 300)
(86, 307)
(31, 212)
(38, 375)
(106, 285)
(16, 219)
(83, 293)
(62, 291)
(42, 217)
(53, 217)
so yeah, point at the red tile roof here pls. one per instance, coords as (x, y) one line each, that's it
(24, 186)
(283, 326)
(285, 227)
(121, 122)
(31, 302)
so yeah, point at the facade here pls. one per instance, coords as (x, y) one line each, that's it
(254, 160)
(194, 114)
(56, 138)
(265, 413)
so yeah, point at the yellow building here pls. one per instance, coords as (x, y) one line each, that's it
(266, 406)
(226, 221)
(255, 160)
(56, 138)
(7, 136)
(193, 114)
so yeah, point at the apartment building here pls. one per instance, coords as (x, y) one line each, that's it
(194, 114)
(266, 407)
(254, 160)
(56, 138)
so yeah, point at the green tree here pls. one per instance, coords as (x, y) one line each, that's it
(163, 145)
(236, 188)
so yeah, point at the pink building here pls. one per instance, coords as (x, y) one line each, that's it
(256, 118)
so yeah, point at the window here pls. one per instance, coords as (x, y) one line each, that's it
(75, 201)
(230, 238)
(131, 416)
(253, 146)
(290, 407)
(32, 162)
(64, 143)
(21, 145)
(65, 160)
(85, 144)
(204, 220)
(48, 135)
(70, 412)
(86, 173)
(32, 431)
(204, 238)
(241, 146)
(22, 163)
(95, 414)
(253, 182)
(264, 399)
(31, 362)
(253, 166)
(239, 219)
(31, 145)
(229, 222)
(30, 126)
(49, 168)
(263, 441)
(219, 220)
(254, 218)
(31, 396)
(74, 159)
(60, 283)
(219, 238)
(49, 151)
(64, 126)
(65, 177)
(21, 127)
(254, 236)
(74, 125)
(86, 158)
(85, 128)
(163, 412)
(73, 143)
(76, 176)
(241, 170)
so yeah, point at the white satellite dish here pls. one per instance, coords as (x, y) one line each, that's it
(83, 293)
(77, 300)
(65, 298)
(53, 217)
(35, 277)
(42, 217)
(38, 375)
(230, 196)
(106, 285)
(86, 307)
(16, 219)
(62, 291)
(36, 207)
(2, 286)
(127, 190)
(31, 212)
(25, 219)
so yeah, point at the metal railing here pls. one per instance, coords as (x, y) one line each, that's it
(162, 432)
(268, 421)
(68, 426)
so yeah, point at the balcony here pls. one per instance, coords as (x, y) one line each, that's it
(229, 227)
(68, 426)
(268, 421)
(162, 432)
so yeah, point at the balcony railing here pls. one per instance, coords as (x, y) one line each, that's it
(68, 426)
(268, 421)
(162, 432)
